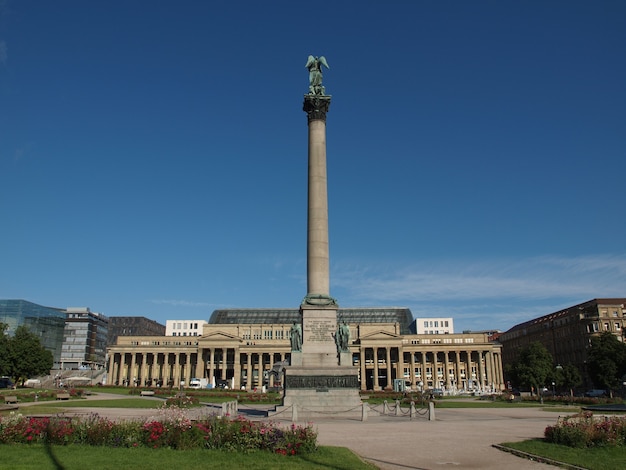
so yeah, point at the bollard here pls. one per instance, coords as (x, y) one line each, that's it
(398, 408)
(385, 407)
(294, 413)
(413, 412)
(363, 411)
(431, 411)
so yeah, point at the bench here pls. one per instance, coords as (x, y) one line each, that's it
(10, 399)
(63, 396)
(147, 393)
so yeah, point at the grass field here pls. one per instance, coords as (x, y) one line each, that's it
(599, 458)
(39, 457)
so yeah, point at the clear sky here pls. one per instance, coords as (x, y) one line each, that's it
(153, 155)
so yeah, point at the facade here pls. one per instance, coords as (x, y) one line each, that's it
(567, 334)
(46, 322)
(434, 326)
(85, 339)
(133, 326)
(184, 327)
(243, 347)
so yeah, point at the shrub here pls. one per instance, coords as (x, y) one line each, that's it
(583, 430)
(170, 428)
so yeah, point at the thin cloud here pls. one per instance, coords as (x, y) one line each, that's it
(534, 278)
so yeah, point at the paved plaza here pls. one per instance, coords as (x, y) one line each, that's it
(459, 438)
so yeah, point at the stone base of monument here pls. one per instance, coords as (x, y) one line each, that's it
(319, 392)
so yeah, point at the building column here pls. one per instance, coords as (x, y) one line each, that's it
(211, 365)
(249, 371)
(481, 371)
(237, 369)
(261, 370)
(424, 378)
(400, 367)
(131, 372)
(412, 370)
(457, 373)
(446, 371)
(388, 366)
(375, 385)
(435, 371)
(363, 368)
(199, 373)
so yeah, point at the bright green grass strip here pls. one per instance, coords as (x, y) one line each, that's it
(38, 457)
(117, 403)
(598, 458)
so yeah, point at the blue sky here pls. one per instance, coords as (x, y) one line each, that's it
(153, 155)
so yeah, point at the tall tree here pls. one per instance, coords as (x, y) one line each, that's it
(606, 361)
(27, 356)
(5, 363)
(568, 377)
(533, 366)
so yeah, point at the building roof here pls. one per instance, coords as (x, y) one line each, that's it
(356, 315)
(567, 311)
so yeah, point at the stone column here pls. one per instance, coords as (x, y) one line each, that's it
(446, 371)
(363, 368)
(237, 369)
(211, 364)
(318, 275)
(457, 372)
(388, 367)
(424, 378)
(413, 370)
(375, 385)
(249, 369)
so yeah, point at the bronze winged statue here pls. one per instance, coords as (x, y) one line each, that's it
(314, 64)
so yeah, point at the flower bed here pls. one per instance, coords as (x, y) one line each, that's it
(171, 429)
(583, 430)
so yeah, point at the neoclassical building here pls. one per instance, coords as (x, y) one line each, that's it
(242, 347)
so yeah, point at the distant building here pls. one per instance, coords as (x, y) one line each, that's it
(433, 326)
(46, 322)
(184, 327)
(242, 347)
(85, 339)
(567, 334)
(133, 326)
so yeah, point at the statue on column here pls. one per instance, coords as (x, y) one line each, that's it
(314, 64)
(296, 337)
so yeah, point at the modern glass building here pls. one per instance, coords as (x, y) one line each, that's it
(46, 322)
(85, 339)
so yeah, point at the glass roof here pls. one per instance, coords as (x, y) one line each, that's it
(401, 315)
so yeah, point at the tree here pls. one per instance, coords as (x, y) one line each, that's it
(27, 357)
(5, 368)
(606, 361)
(568, 377)
(533, 366)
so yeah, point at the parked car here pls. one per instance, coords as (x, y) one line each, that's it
(436, 392)
(6, 382)
(596, 393)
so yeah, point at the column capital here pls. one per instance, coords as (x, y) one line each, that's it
(316, 107)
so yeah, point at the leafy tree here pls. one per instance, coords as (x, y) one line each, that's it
(606, 361)
(26, 355)
(568, 377)
(533, 366)
(5, 368)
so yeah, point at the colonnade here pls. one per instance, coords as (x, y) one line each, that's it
(239, 366)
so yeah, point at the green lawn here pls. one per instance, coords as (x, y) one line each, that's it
(600, 458)
(38, 457)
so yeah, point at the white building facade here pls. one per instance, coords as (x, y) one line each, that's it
(434, 326)
(184, 327)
